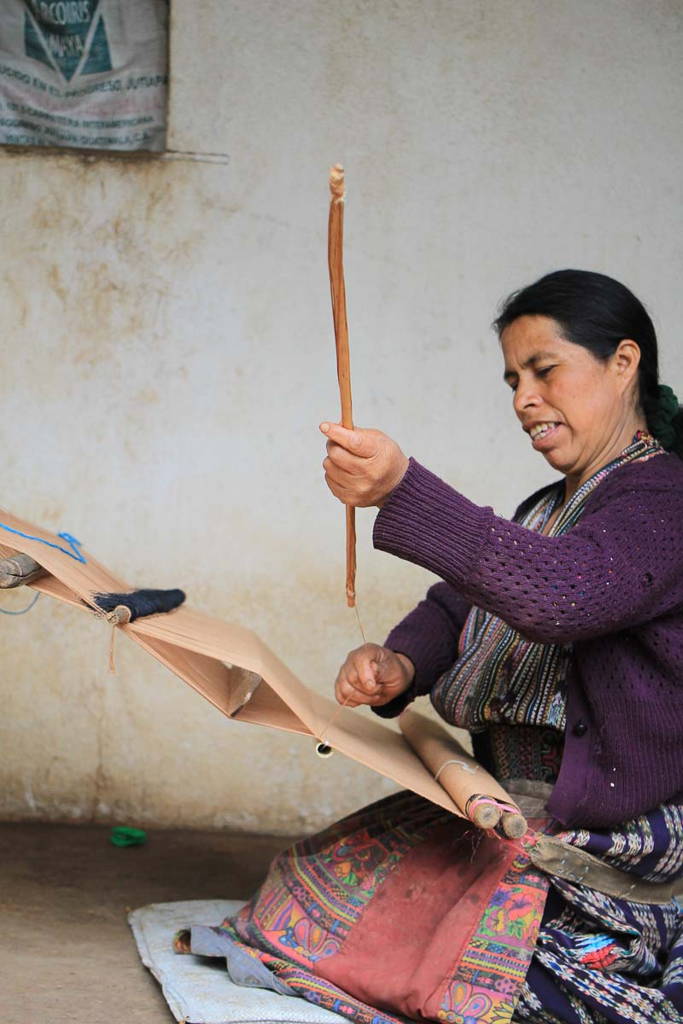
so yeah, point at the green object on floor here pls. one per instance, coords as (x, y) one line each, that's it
(122, 835)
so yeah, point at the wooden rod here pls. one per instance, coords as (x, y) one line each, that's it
(17, 570)
(335, 260)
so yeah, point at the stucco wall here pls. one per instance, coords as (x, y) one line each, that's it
(168, 353)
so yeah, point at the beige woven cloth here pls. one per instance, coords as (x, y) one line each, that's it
(227, 664)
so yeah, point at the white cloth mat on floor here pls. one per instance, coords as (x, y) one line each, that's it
(198, 990)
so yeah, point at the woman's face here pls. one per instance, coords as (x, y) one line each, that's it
(578, 411)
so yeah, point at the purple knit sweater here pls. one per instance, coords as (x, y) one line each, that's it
(612, 586)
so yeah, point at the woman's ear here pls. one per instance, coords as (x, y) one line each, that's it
(626, 360)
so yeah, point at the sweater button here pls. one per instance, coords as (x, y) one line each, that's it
(580, 728)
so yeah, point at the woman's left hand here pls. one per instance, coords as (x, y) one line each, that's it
(362, 467)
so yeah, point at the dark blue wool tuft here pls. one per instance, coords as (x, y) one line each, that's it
(141, 602)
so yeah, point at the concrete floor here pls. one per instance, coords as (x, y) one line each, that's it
(67, 955)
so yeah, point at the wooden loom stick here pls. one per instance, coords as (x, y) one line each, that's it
(335, 260)
(17, 570)
(476, 794)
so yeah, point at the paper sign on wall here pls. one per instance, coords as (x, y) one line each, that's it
(84, 73)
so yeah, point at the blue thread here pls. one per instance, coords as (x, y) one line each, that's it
(6, 611)
(71, 541)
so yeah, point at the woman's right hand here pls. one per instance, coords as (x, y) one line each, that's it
(373, 675)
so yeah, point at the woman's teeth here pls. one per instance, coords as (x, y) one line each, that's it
(540, 430)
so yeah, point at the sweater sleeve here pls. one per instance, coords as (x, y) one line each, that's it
(621, 565)
(429, 637)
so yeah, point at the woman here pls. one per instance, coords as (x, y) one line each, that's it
(557, 640)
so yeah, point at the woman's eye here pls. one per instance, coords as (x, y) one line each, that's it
(543, 371)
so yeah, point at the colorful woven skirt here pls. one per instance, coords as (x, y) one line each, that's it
(404, 912)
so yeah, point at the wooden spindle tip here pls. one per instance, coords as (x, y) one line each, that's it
(485, 816)
(514, 825)
(337, 182)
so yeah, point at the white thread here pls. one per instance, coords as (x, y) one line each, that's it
(322, 739)
(461, 764)
(360, 624)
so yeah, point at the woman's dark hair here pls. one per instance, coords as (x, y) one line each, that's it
(597, 312)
